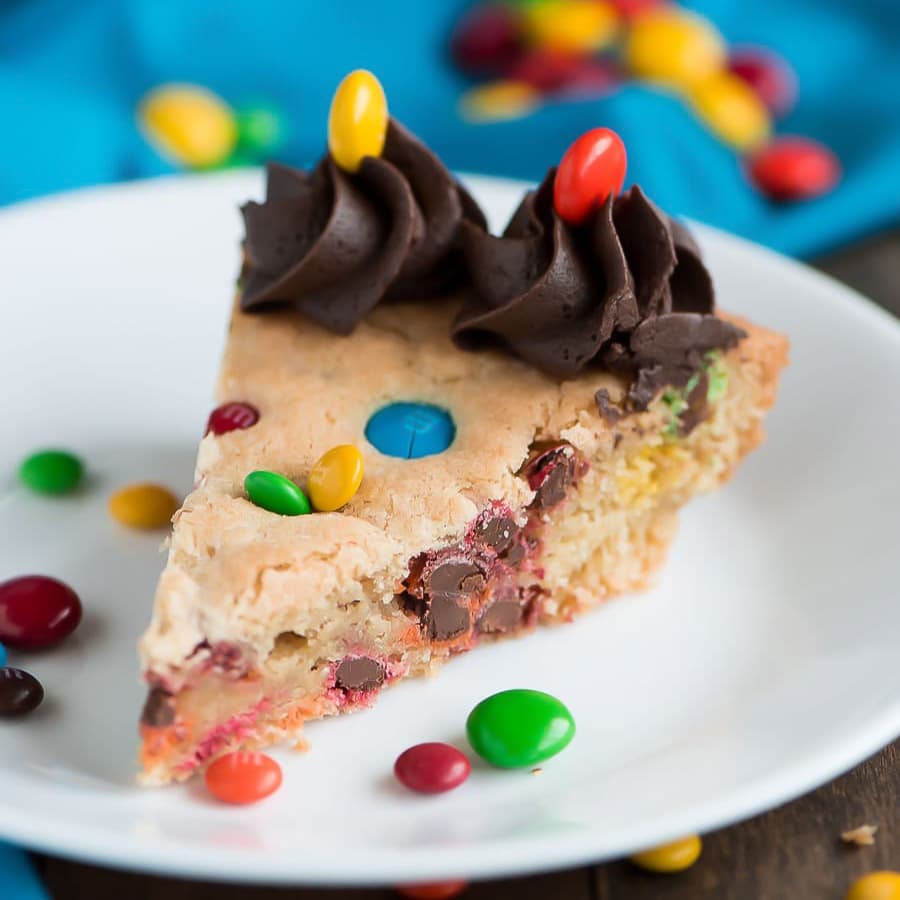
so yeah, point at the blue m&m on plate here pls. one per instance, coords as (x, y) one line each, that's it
(411, 430)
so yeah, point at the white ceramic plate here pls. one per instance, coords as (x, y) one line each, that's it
(764, 664)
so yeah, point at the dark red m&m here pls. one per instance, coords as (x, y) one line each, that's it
(432, 768)
(20, 692)
(231, 417)
(37, 611)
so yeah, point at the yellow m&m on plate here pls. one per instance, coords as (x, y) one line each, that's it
(189, 124)
(143, 506)
(358, 120)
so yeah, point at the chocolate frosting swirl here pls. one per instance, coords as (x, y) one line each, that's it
(626, 291)
(334, 244)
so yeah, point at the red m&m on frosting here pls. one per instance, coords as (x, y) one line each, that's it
(231, 416)
(592, 169)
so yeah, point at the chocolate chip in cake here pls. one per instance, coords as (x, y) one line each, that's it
(359, 673)
(159, 709)
(697, 408)
(551, 468)
(446, 618)
(500, 533)
(515, 554)
(500, 617)
(438, 586)
(607, 409)
(454, 577)
(648, 382)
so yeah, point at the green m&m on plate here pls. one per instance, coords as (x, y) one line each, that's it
(276, 493)
(519, 728)
(51, 471)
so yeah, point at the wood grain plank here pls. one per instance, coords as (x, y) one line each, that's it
(74, 881)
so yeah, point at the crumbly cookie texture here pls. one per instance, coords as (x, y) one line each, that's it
(262, 621)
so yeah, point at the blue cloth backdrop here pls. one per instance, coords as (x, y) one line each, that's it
(71, 74)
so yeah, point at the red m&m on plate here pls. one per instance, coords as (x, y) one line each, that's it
(591, 169)
(432, 768)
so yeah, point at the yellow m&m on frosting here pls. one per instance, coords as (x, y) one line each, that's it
(358, 120)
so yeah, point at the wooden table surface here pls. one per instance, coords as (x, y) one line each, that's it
(791, 853)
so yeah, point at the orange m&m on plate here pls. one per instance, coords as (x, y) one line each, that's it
(241, 778)
(591, 169)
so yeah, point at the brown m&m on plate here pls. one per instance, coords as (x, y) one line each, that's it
(20, 692)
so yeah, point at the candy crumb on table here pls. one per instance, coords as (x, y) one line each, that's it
(862, 836)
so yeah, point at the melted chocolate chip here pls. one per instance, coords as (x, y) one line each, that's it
(607, 409)
(500, 533)
(438, 586)
(646, 385)
(446, 618)
(510, 609)
(550, 470)
(159, 709)
(515, 554)
(359, 673)
(454, 578)
(501, 617)
(697, 408)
